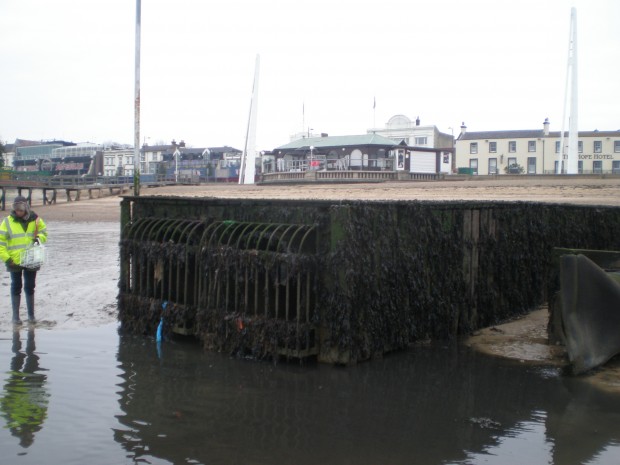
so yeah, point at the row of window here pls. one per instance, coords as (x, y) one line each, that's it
(531, 146)
(513, 167)
(113, 160)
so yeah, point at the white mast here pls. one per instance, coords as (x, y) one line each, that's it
(573, 128)
(247, 170)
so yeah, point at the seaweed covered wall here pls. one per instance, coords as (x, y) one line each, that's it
(240, 275)
(368, 277)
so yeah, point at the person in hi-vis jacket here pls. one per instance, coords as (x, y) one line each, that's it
(18, 231)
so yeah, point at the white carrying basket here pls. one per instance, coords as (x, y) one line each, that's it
(33, 257)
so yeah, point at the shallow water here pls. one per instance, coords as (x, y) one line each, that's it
(92, 396)
(75, 392)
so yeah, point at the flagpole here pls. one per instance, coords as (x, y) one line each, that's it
(374, 112)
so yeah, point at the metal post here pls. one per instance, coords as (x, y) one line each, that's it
(136, 143)
(176, 169)
(207, 152)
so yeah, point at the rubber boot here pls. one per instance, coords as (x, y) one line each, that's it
(30, 307)
(15, 301)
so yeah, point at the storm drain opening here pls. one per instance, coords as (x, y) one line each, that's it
(241, 286)
(260, 279)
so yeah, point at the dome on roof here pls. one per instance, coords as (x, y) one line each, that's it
(399, 121)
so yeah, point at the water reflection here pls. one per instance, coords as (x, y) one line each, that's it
(432, 405)
(25, 399)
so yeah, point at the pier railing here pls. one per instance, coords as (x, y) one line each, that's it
(25, 183)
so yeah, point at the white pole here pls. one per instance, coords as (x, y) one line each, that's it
(176, 166)
(571, 83)
(136, 140)
(247, 170)
(573, 131)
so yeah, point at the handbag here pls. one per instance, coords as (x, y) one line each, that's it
(33, 256)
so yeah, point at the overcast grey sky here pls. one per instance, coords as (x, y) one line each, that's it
(67, 67)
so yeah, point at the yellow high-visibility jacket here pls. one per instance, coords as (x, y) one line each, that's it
(17, 234)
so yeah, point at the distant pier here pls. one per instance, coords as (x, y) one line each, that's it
(73, 187)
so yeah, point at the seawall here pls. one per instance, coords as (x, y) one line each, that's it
(340, 280)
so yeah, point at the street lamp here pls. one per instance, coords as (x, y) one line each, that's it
(176, 156)
(207, 152)
(452, 132)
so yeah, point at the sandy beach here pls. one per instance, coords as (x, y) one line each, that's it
(571, 190)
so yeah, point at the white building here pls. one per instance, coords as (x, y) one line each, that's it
(400, 127)
(118, 162)
(535, 151)
(417, 156)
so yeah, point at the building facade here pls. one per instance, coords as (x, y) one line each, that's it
(193, 163)
(400, 128)
(536, 151)
(357, 152)
(416, 154)
(118, 161)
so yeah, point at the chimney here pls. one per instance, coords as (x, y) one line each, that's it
(417, 121)
(463, 128)
(546, 127)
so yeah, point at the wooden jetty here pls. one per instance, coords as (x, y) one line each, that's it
(73, 187)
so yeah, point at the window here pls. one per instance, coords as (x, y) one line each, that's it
(511, 166)
(617, 146)
(555, 167)
(473, 164)
(492, 165)
(598, 146)
(580, 167)
(557, 146)
(531, 165)
(492, 147)
(597, 166)
(420, 141)
(473, 147)
(531, 146)
(580, 146)
(512, 146)
(615, 167)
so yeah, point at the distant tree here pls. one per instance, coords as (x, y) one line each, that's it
(514, 168)
(2, 152)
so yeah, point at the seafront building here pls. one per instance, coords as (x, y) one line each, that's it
(400, 128)
(402, 145)
(195, 164)
(58, 157)
(535, 151)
